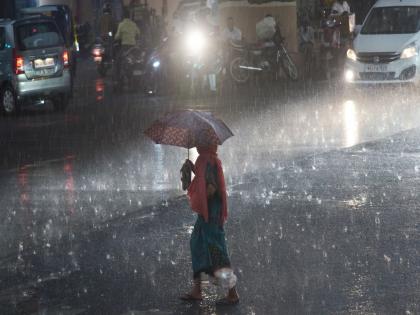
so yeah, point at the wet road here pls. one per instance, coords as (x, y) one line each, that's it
(323, 198)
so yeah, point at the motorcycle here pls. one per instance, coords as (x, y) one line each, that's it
(266, 57)
(83, 37)
(202, 61)
(140, 69)
(154, 79)
(102, 53)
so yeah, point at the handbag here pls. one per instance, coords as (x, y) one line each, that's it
(186, 174)
(211, 182)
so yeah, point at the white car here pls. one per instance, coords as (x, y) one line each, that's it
(386, 48)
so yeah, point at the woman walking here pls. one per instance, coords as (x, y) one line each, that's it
(208, 198)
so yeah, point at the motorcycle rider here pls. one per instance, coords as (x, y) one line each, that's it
(341, 12)
(340, 7)
(269, 36)
(307, 42)
(106, 30)
(127, 35)
(106, 22)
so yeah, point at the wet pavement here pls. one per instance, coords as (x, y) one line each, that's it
(322, 192)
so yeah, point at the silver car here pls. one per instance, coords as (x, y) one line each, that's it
(34, 64)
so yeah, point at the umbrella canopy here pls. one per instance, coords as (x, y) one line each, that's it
(189, 129)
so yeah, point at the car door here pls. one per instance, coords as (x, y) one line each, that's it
(4, 58)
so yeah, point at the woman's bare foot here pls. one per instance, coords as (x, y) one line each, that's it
(195, 294)
(233, 295)
(191, 297)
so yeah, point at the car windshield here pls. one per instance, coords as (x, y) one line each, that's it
(38, 35)
(393, 20)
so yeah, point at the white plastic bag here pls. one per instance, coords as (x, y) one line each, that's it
(226, 278)
(266, 28)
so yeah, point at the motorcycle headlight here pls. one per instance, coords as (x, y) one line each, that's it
(351, 54)
(409, 52)
(195, 42)
(156, 64)
(97, 51)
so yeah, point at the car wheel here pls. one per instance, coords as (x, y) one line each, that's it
(60, 104)
(9, 104)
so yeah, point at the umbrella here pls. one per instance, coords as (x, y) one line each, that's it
(189, 129)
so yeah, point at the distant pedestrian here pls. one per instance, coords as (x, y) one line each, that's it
(106, 22)
(231, 32)
(340, 7)
(307, 42)
(208, 198)
(306, 35)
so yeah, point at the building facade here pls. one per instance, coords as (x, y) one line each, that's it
(10, 8)
(7, 9)
(83, 10)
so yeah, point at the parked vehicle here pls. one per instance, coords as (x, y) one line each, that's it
(271, 57)
(386, 48)
(34, 64)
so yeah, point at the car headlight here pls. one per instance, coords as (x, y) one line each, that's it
(195, 42)
(351, 54)
(409, 52)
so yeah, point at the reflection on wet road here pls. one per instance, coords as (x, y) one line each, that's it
(323, 216)
(351, 129)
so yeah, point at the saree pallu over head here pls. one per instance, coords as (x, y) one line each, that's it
(197, 191)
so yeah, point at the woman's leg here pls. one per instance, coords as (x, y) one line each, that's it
(196, 289)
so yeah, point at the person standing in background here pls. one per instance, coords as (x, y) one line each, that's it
(231, 32)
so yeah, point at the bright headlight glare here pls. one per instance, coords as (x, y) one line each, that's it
(351, 54)
(409, 52)
(156, 64)
(349, 75)
(195, 42)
